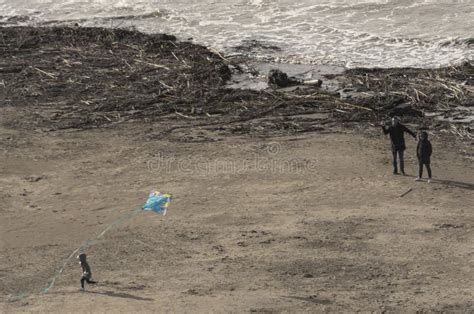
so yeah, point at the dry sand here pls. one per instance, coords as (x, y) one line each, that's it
(313, 222)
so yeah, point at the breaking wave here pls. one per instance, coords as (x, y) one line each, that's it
(358, 33)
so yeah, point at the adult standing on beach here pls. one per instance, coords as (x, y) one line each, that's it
(396, 131)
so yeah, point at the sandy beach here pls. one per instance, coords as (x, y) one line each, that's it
(283, 199)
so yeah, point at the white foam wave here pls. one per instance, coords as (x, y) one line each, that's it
(381, 33)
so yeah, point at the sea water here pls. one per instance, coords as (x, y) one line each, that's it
(367, 33)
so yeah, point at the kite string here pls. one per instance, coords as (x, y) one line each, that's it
(88, 243)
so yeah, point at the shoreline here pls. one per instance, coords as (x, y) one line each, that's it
(442, 50)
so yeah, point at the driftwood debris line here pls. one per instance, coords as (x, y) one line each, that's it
(92, 77)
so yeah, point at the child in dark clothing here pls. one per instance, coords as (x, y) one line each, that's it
(86, 271)
(423, 152)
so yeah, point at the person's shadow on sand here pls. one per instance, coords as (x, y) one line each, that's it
(458, 184)
(120, 295)
(462, 185)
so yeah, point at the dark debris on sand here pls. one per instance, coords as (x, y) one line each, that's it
(74, 77)
(415, 92)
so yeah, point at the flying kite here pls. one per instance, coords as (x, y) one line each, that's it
(158, 202)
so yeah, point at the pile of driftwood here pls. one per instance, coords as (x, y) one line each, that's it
(91, 76)
(73, 77)
(442, 97)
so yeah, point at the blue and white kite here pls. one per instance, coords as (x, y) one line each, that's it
(158, 202)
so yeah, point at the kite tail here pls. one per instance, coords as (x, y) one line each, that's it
(88, 243)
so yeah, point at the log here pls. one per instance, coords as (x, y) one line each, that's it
(14, 69)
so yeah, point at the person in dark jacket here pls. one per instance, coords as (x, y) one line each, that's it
(86, 270)
(423, 152)
(396, 131)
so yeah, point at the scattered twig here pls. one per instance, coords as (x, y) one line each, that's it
(103, 116)
(165, 85)
(128, 64)
(357, 106)
(171, 42)
(406, 192)
(180, 60)
(183, 115)
(218, 53)
(45, 73)
(271, 94)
